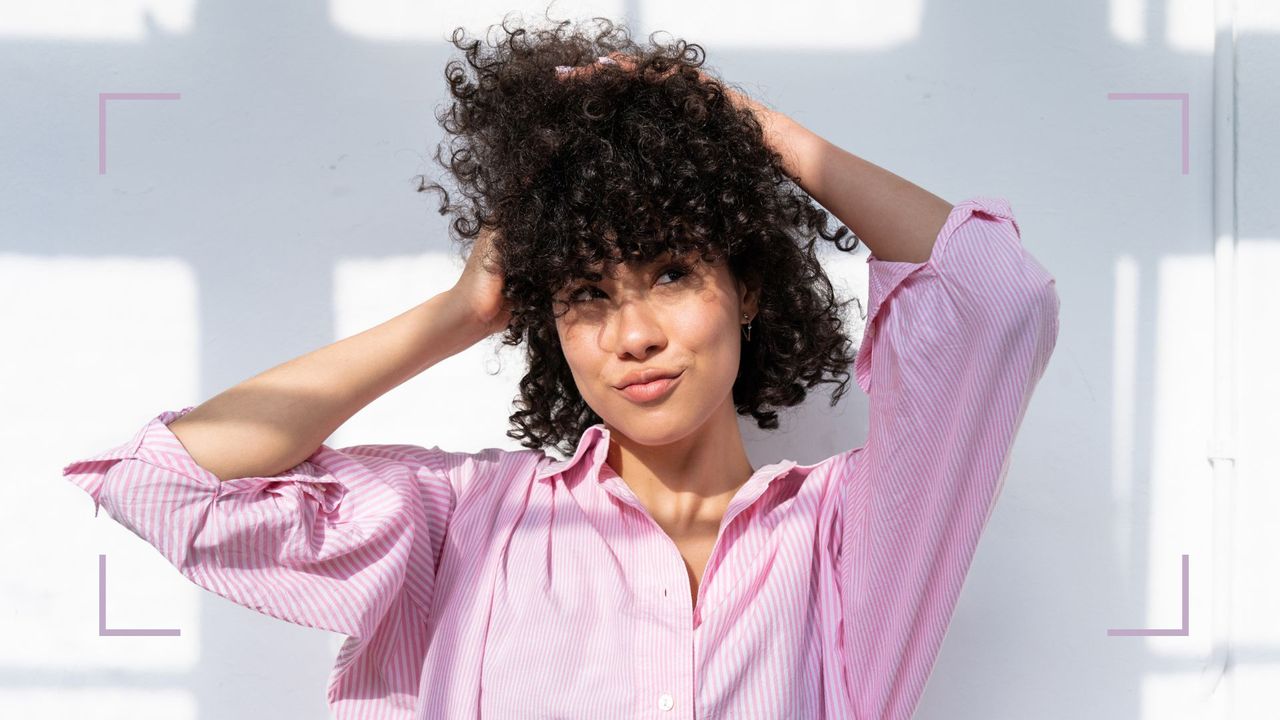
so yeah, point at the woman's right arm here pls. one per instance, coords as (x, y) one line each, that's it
(341, 539)
(276, 419)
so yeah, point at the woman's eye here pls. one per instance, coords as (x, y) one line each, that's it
(577, 296)
(574, 297)
(680, 272)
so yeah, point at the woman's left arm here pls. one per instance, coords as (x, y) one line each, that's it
(897, 219)
(961, 324)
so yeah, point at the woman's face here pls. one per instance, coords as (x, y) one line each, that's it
(677, 315)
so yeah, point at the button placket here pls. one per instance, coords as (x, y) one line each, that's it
(664, 633)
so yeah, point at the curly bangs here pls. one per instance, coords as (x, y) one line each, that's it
(627, 165)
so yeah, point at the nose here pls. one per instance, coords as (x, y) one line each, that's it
(636, 329)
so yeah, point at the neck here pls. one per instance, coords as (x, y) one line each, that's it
(686, 484)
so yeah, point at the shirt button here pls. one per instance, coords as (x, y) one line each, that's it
(666, 702)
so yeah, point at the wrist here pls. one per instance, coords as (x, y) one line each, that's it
(473, 321)
(800, 148)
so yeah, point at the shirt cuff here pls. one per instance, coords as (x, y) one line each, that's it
(156, 445)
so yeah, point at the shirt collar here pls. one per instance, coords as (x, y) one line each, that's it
(594, 447)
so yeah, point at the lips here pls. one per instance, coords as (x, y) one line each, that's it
(646, 376)
(652, 390)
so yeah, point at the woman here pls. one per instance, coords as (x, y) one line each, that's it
(648, 233)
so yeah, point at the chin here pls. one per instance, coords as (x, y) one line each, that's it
(653, 426)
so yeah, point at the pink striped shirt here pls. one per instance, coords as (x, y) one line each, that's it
(510, 584)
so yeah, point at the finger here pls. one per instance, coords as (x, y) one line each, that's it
(615, 58)
(572, 70)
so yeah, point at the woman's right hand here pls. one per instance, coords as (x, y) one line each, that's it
(480, 286)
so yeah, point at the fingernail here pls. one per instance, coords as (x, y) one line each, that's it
(562, 69)
(608, 60)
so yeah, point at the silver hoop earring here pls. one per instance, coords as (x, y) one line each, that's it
(746, 328)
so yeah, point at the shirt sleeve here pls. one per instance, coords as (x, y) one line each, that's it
(952, 350)
(331, 544)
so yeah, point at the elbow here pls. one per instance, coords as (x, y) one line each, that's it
(1035, 326)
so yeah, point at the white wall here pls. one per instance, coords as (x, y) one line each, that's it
(269, 209)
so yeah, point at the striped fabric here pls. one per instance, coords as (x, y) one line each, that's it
(509, 584)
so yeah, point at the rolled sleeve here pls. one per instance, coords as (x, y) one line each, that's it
(326, 544)
(952, 350)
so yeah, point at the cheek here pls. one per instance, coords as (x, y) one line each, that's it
(703, 330)
(708, 319)
(707, 331)
(580, 353)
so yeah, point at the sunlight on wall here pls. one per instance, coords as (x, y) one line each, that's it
(410, 19)
(1177, 484)
(1128, 20)
(108, 703)
(1188, 26)
(1258, 15)
(1256, 592)
(1123, 410)
(1184, 25)
(455, 404)
(95, 19)
(1180, 506)
(107, 343)
(808, 25)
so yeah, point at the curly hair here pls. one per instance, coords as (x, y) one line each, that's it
(625, 166)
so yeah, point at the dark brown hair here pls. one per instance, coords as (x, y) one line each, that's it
(631, 164)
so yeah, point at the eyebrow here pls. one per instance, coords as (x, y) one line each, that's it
(666, 257)
(575, 284)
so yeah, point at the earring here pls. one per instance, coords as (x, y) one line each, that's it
(747, 328)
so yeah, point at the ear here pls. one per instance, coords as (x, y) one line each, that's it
(749, 298)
